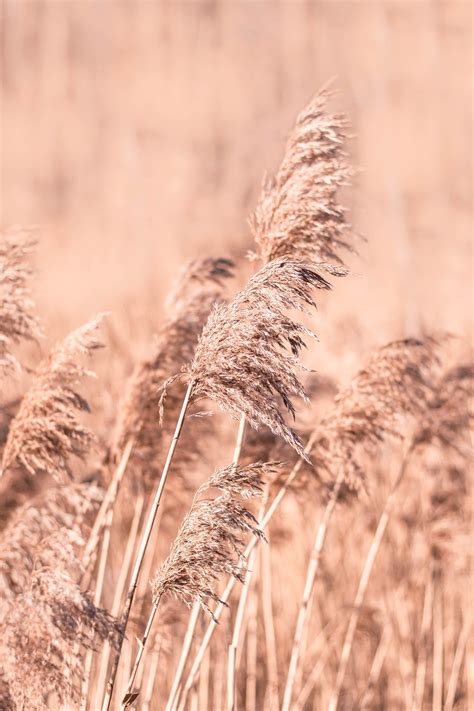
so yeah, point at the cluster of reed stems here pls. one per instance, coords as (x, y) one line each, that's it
(62, 643)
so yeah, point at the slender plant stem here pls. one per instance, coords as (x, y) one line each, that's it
(457, 663)
(420, 676)
(119, 588)
(308, 591)
(269, 628)
(99, 587)
(185, 647)
(196, 608)
(376, 668)
(141, 649)
(239, 618)
(203, 692)
(107, 502)
(438, 647)
(238, 624)
(363, 583)
(152, 671)
(231, 582)
(143, 546)
(252, 652)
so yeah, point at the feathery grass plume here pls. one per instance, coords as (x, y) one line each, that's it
(396, 383)
(299, 215)
(242, 360)
(447, 427)
(6, 701)
(17, 319)
(449, 417)
(42, 532)
(210, 542)
(197, 289)
(40, 635)
(47, 431)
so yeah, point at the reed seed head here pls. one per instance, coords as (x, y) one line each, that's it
(17, 319)
(46, 432)
(247, 356)
(299, 215)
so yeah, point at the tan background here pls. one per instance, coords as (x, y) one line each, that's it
(136, 134)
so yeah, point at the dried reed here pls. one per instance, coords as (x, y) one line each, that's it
(299, 215)
(18, 321)
(46, 432)
(208, 544)
(240, 361)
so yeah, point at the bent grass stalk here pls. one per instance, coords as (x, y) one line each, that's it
(143, 546)
(99, 587)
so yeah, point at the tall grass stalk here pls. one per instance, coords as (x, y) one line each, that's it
(308, 591)
(119, 589)
(364, 581)
(143, 545)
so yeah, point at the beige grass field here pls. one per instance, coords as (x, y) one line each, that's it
(135, 137)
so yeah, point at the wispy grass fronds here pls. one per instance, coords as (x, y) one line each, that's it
(210, 541)
(247, 357)
(40, 638)
(449, 418)
(447, 429)
(396, 384)
(197, 289)
(47, 431)
(34, 535)
(299, 214)
(18, 321)
(246, 481)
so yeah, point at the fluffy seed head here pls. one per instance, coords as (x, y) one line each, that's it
(396, 383)
(17, 319)
(40, 637)
(247, 356)
(47, 431)
(299, 215)
(210, 541)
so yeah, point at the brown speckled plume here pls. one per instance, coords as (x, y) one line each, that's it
(299, 215)
(46, 432)
(17, 319)
(397, 382)
(247, 356)
(210, 541)
(43, 636)
(40, 530)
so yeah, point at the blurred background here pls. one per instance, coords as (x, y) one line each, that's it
(136, 136)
